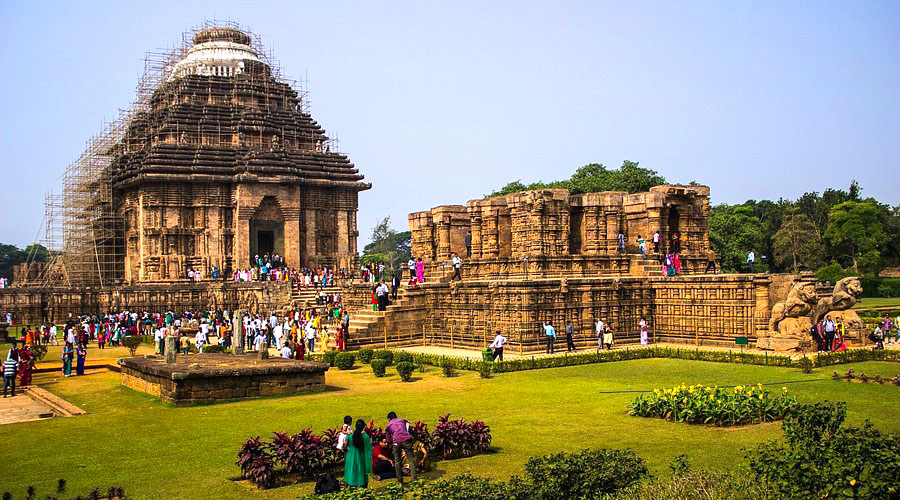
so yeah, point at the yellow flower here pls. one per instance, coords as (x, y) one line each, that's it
(853, 482)
(738, 389)
(784, 389)
(760, 396)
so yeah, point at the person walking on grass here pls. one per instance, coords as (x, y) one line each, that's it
(550, 334)
(358, 461)
(570, 333)
(497, 346)
(68, 354)
(397, 434)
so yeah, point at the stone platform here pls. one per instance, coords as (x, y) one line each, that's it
(212, 377)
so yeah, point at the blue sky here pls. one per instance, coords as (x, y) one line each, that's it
(440, 103)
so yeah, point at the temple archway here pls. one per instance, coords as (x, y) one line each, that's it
(266, 229)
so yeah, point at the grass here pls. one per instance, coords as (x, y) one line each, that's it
(158, 451)
(873, 302)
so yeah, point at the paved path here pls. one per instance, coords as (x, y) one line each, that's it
(21, 409)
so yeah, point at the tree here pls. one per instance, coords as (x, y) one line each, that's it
(733, 231)
(797, 244)
(10, 255)
(595, 177)
(855, 231)
(387, 246)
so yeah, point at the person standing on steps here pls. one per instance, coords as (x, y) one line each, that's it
(621, 242)
(411, 265)
(468, 244)
(550, 333)
(656, 238)
(570, 333)
(457, 264)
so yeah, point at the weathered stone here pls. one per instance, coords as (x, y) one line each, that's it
(171, 349)
(263, 351)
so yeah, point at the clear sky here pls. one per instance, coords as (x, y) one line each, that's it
(442, 102)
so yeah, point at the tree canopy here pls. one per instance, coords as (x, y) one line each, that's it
(595, 177)
(387, 246)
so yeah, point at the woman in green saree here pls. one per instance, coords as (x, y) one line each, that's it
(358, 463)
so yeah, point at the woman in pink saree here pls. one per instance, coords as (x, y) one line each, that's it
(420, 271)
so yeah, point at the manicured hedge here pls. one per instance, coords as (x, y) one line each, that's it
(714, 405)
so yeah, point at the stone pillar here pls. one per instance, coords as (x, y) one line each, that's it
(263, 351)
(309, 245)
(171, 349)
(291, 237)
(237, 337)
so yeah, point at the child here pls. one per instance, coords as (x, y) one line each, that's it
(346, 431)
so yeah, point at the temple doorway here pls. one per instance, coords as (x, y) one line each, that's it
(266, 230)
(672, 228)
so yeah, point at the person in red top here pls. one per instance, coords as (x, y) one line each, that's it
(382, 466)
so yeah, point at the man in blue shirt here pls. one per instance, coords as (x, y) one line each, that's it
(550, 332)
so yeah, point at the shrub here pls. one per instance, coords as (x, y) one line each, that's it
(329, 357)
(586, 474)
(38, 351)
(132, 342)
(345, 360)
(376, 434)
(403, 357)
(698, 484)
(419, 432)
(387, 356)
(714, 405)
(211, 349)
(331, 456)
(378, 367)
(820, 459)
(456, 438)
(485, 370)
(300, 453)
(405, 370)
(365, 355)
(256, 463)
(448, 369)
(805, 364)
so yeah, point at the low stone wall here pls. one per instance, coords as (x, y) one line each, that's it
(36, 305)
(212, 377)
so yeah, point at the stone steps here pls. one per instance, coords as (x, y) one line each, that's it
(58, 405)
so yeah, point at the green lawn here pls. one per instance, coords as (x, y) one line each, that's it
(872, 302)
(158, 451)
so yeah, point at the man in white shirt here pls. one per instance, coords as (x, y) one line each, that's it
(751, 259)
(160, 337)
(278, 333)
(599, 328)
(53, 332)
(286, 352)
(310, 338)
(457, 264)
(656, 239)
(497, 346)
(202, 336)
(411, 265)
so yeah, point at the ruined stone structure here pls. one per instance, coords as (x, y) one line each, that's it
(546, 233)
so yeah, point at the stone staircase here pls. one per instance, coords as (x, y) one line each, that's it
(306, 297)
(645, 267)
(366, 325)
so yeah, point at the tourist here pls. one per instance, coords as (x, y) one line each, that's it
(201, 338)
(598, 329)
(497, 346)
(644, 335)
(815, 333)
(26, 365)
(345, 433)
(411, 265)
(656, 239)
(642, 245)
(160, 338)
(751, 259)
(185, 344)
(420, 271)
(397, 434)
(81, 354)
(101, 339)
(670, 265)
(886, 327)
(838, 344)
(468, 244)
(68, 354)
(608, 338)
(550, 334)
(710, 261)
(457, 264)
(10, 367)
(381, 295)
(286, 352)
(310, 337)
(676, 263)
(382, 465)
(676, 243)
(877, 337)
(358, 461)
(570, 333)
(828, 326)
(621, 242)
(54, 332)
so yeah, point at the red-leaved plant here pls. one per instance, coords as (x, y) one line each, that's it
(331, 456)
(376, 434)
(419, 432)
(456, 438)
(300, 453)
(256, 463)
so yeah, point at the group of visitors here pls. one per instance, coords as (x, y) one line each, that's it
(19, 363)
(882, 332)
(670, 260)
(383, 459)
(829, 335)
(3, 282)
(603, 331)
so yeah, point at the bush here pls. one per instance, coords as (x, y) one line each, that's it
(714, 405)
(821, 459)
(586, 474)
(345, 360)
(456, 438)
(365, 355)
(213, 349)
(329, 357)
(387, 356)
(256, 463)
(38, 351)
(699, 484)
(485, 370)
(300, 453)
(405, 370)
(378, 367)
(132, 342)
(403, 357)
(448, 369)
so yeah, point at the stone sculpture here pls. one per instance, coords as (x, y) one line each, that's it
(839, 305)
(799, 303)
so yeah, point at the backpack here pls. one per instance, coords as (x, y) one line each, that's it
(327, 483)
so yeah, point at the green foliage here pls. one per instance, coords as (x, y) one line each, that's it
(405, 369)
(329, 357)
(461, 487)
(448, 369)
(595, 177)
(344, 360)
(10, 255)
(212, 349)
(734, 230)
(387, 246)
(796, 244)
(379, 366)
(386, 355)
(699, 484)
(820, 459)
(855, 230)
(586, 474)
(833, 273)
(485, 370)
(403, 357)
(365, 355)
(132, 342)
(714, 405)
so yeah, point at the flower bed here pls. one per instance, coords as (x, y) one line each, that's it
(289, 458)
(714, 405)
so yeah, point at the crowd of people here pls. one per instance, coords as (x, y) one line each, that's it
(383, 459)
(882, 332)
(603, 331)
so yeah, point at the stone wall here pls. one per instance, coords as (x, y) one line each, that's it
(701, 310)
(37, 305)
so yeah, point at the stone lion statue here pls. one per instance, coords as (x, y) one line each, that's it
(799, 302)
(845, 295)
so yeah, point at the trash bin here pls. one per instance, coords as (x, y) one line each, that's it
(487, 354)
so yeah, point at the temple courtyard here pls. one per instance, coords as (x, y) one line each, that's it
(157, 450)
